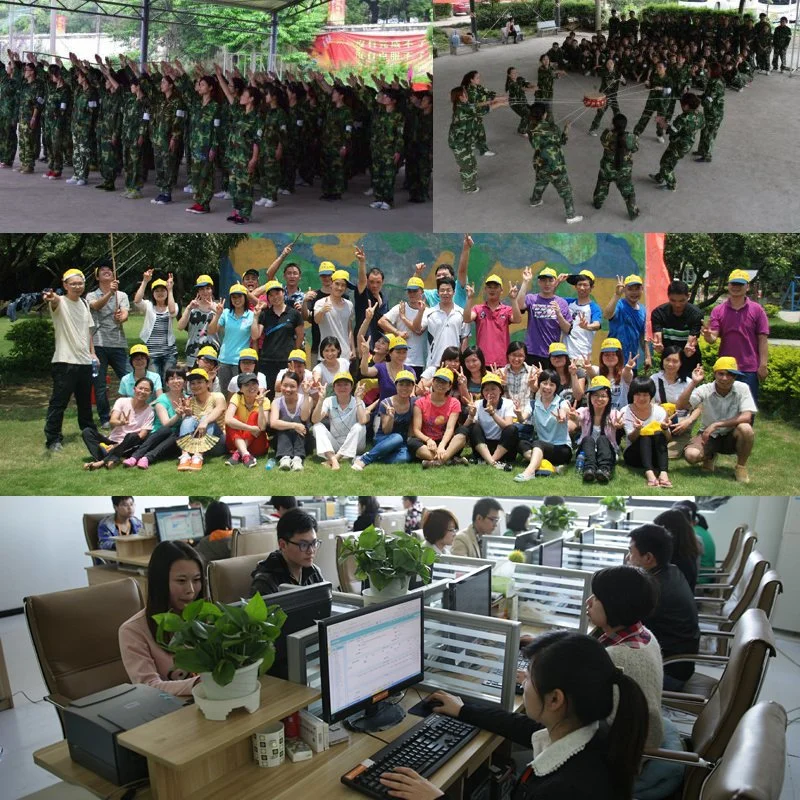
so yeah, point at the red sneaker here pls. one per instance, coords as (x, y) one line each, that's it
(54, 176)
(195, 209)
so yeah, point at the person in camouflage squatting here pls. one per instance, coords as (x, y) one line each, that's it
(547, 139)
(516, 86)
(616, 165)
(274, 132)
(136, 118)
(31, 103)
(478, 95)
(660, 90)
(84, 105)
(610, 81)
(205, 124)
(762, 43)
(56, 121)
(386, 146)
(10, 86)
(713, 101)
(419, 159)
(109, 128)
(781, 37)
(337, 132)
(681, 132)
(167, 133)
(244, 143)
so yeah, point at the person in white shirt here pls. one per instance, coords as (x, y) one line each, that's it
(399, 321)
(334, 315)
(648, 432)
(494, 436)
(444, 322)
(587, 316)
(72, 359)
(439, 527)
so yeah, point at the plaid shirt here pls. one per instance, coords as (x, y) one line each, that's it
(517, 387)
(634, 636)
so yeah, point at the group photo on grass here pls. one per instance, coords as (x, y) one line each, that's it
(625, 362)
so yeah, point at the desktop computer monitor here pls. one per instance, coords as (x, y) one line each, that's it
(552, 553)
(367, 655)
(524, 541)
(179, 523)
(471, 593)
(250, 513)
(587, 536)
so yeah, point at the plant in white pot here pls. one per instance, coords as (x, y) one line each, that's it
(388, 561)
(228, 646)
(614, 506)
(554, 521)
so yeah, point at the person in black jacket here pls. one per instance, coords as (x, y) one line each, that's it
(368, 510)
(568, 696)
(674, 621)
(293, 561)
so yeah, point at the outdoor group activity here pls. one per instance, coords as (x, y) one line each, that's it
(276, 375)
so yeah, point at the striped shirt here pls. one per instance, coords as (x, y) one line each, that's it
(157, 343)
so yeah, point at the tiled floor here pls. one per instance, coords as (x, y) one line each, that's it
(29, 726)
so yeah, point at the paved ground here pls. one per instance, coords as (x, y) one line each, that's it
(33, 205)
(752, 184)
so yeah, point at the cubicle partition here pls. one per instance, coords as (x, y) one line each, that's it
(497, 548)
(553, 597)
(592, 557)
(392, 521)
(612, 536)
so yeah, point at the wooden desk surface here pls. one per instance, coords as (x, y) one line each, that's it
(112, 555)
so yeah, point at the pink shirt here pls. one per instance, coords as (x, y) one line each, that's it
(137, 420)
(146, 662)
(739, 330)
(610, 431)
(491, 331)
(434, 418)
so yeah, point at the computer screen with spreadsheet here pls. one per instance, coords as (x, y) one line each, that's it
(368, 654)
(176, 524)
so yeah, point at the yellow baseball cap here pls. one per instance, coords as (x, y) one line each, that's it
(273, 285)
(341, 275)
(297, 355)
(342, 376)
(197, 373)
(739, 276)
(493, 279)
(203, 280)
(599, 382)
(651, 429)
(557, 349)
(237, 288)
(397, 341)
(249, 354)
(727, 364)
(71, 273)
(546, 467)
(405, 375)
(610, 344)
(670, 408)
(139, 348)
(491, 377)
(415, 283)
(547, 272)
(444, 373)
(158, 282)
(208, 352)
(584, 273)
(327, 268)
(632, 280)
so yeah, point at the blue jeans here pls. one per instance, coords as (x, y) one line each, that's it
(160, 364)
(189, 425)
(659, 778)
(390, 448)
(117, 359)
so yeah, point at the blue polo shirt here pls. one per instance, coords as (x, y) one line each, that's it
(548, 428)
(236, 337)
(627, 325)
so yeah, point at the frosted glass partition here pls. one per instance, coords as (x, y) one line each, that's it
(592, 557)
(553, 597)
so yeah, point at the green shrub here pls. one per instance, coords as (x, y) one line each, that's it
(442, 11)
(32, 341)
(771, 310)
(781, 329)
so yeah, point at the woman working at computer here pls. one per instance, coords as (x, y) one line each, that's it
(175, 577)
(569, 693)
(216, 544)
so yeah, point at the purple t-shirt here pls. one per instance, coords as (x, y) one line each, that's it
(543, 328)
(385, 382)
(739, 330)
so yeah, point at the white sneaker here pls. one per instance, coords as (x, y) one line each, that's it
(283, 191)
(593, 133)
(285, 463)
(269, 203)
(222, 196)
(297, 464)
(576, 218)
(537, 204)
(80, 182)
(72, 181)
(369, 192)
(489, 153)
(660, 139)
(474, 191)
(301, 182)
(46, 176)
(376, 204)
(261, 202)
(385, 207)
(189, 189)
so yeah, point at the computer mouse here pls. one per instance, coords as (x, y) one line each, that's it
(432, 703)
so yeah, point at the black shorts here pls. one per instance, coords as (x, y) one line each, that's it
(556, 454)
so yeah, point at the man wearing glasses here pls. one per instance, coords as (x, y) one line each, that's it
(485, 516)
(293, 561)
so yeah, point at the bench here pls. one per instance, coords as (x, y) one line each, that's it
(546, 26)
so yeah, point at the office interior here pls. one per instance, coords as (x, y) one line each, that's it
(46, 550)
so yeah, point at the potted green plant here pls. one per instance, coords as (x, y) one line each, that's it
(554, 521)
(614, 506)
(388, 561)
(228, 646)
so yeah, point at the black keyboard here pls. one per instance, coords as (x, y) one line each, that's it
(424, 748)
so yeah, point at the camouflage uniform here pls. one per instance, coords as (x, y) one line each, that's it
(544, 86)
(609, 86)
(462, 140)
(275, 126)
(337, 132)
(480, 94)
(31, 98)
(763, 44)
(364, 112)
(309, 144)
(387, 139)
(183, 83)
(9, 112)
(168, 126)
(203, 135)
(83, 111)
(681, 133)
(713, 109)
(135, 123)
(518, 101)
(419, 161)
(245, 132)
(548, 163)
(292, 145)
(781, 37)
(611, 173)
(679, 79)
(56, 122)
(660, 90)
(109, 134)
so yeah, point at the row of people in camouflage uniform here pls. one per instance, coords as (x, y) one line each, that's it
(278, 133)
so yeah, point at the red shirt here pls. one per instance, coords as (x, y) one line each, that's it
(492, 331)
(434, 418)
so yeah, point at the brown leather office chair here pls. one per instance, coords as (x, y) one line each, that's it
(734, 693)
(75, 635)
(229, 579)
(346, 570)
(724, 587)
(731, 557)
(755, 760)
(91, 523)
(254, 541)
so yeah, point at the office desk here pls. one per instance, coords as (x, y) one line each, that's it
(169, 744)
(103, 573)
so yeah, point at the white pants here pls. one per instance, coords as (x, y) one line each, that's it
(354, 443)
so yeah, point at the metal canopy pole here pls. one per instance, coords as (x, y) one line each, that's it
(144, 32)
(273, 42)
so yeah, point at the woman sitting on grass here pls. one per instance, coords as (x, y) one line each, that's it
(345, 434)
(648, 432)
(246, 422)
(331, 364)
(139, 358)
(289, 417)
(202, 416)
(598, 424)
(493, 434)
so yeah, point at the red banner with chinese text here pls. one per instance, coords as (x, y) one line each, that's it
(341, 49)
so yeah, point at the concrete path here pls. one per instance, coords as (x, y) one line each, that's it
(752, 184)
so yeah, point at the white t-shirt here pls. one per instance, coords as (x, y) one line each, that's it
(72, 324)
(657, 414)
(672, 390)
(337, 322)
(491, 430)
(324, 375)
(444, 329)
(417, 345)
(579, 341)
